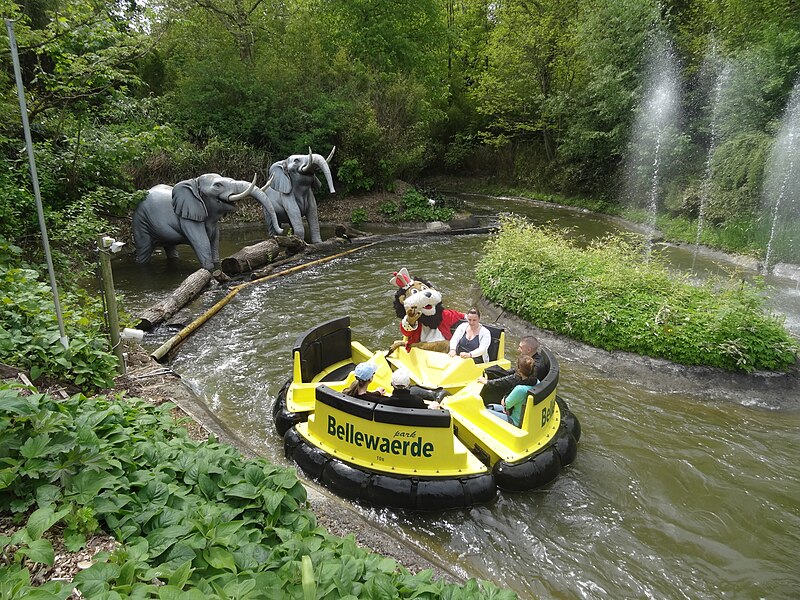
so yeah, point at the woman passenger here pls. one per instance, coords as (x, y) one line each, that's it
(471, 339)
(510, 407)
(364, 373)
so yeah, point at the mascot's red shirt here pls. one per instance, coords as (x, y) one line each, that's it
(449, 318)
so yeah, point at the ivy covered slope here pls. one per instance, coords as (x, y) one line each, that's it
(195, 520)
(606, 295)
(29, 333)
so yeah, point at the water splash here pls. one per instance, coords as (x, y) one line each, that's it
(782, 185)
(722, 75)
(654, 136)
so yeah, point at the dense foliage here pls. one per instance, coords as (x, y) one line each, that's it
(541, 96)
(609, 296)
(194, 519)
(29, 332)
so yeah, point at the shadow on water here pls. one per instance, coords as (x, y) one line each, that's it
(671, 496)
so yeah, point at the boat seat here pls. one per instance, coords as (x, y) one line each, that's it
(494, 345)
(382, 413)
(323, 346)
(498, 438)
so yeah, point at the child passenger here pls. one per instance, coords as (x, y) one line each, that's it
(510, 407)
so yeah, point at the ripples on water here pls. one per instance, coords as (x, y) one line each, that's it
(670, 496)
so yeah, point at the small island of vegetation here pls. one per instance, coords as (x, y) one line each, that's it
(612, 296)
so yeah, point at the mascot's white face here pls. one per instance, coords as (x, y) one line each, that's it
(425, 299)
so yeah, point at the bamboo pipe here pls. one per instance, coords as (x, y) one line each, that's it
(184, 333)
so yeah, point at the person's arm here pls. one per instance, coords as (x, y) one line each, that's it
(459, 333)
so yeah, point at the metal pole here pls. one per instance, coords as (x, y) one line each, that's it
(23, 109)
(112, 314)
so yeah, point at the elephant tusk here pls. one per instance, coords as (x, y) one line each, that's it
(330, 156)
(269, 181)
(244, 194)
(308, 166)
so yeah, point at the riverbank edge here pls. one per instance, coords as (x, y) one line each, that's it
(766, 389)
(334, 514)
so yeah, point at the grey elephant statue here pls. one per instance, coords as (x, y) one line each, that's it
(189, 213)
(294, 182)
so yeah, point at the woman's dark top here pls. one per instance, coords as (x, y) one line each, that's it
(465, 345)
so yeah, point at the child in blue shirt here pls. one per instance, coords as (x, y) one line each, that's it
(510, 407)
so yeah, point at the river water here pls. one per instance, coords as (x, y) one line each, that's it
(671, 495)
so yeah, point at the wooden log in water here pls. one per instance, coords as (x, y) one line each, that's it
(187, 291)
(251, 257)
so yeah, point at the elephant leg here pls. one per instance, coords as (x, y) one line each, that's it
(214, 238)
(145, 244)
(171, 252)
(295, 218)
(313, 221)
(197, 237)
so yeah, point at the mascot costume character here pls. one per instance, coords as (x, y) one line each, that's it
(425, 324)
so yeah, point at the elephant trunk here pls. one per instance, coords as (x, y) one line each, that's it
(317, 162)
(244, 194)
(273, 226)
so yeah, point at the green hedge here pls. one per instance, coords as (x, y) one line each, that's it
(608, 295)
(196, 520)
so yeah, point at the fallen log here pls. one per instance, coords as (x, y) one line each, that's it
(187, 291)
(251, 257)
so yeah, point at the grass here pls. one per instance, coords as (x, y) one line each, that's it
(610, 296)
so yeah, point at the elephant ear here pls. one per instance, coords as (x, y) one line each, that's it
(187, 202)
(281, 180)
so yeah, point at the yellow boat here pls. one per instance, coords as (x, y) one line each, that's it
(423, 459)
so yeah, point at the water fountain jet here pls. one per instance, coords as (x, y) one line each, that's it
(654, 135)
(782, 186)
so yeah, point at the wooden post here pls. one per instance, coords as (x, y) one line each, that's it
(112, 314)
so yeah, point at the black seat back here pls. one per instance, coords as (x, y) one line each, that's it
(323, 346)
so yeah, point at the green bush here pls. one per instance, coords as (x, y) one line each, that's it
(358, 216)
(416, 207)
(194, 519)
(29, 333)
(609, 296)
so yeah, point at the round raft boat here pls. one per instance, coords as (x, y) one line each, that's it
(417, 458)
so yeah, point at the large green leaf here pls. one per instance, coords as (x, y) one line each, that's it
(94, 580)
(220, 558)
(43, 519)
(40, 551)
(35, 447)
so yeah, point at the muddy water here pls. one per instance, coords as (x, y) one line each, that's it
(671, 496)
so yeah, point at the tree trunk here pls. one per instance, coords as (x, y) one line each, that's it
(186, 292)
(251, 257)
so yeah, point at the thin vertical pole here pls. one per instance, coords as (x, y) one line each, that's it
(112, 313)
(23, 109)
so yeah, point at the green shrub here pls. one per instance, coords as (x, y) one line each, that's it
(358, 216)
(388, 209)
(194, 519)
(29, 333)
(416, 207)
(609, 296)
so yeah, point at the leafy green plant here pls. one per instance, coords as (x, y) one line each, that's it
(388, 208)
(29, 333)
(194, 519)
(358, 216)
(416, 207)
(609, 296)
